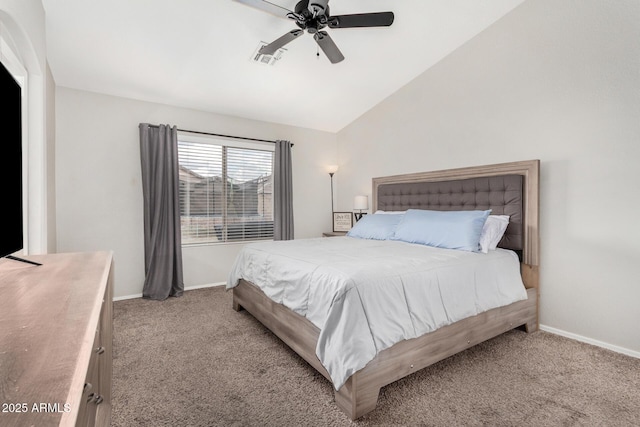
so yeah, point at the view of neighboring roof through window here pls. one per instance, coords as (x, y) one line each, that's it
(226, 190)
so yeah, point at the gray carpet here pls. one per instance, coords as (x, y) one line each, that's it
(193, 361)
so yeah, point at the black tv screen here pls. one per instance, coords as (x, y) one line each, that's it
(10, 163)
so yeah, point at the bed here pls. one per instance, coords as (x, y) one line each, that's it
(506, 189)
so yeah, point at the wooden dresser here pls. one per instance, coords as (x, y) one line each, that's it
(56, 340)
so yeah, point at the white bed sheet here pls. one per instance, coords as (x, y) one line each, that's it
(366, 295)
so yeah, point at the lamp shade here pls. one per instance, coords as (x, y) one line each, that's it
(361, 203)
(332, 168)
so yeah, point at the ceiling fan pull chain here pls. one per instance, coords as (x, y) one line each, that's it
(318, 52)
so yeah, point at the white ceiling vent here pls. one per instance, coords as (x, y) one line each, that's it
(266, 59)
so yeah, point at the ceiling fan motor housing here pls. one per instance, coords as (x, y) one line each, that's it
(315, 14)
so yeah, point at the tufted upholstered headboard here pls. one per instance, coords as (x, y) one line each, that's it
(502, 194)
(507, 188)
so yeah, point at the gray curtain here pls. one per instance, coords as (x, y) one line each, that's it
(282, 192)
(162, 241)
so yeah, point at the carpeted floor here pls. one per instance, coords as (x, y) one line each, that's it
(193, 361)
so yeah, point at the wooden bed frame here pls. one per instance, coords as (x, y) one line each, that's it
(359, 394)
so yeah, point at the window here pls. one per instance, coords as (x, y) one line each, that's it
(226, 189)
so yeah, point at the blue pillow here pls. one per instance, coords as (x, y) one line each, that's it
(376, 226)
(443, 229)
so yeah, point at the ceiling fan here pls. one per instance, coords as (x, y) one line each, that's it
(314, 16)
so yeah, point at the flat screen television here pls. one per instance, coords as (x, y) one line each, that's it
(12, 239)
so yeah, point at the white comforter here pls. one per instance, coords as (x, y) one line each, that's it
(366, 295)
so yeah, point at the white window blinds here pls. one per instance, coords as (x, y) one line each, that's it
(226, 190)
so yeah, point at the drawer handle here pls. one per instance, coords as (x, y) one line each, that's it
(100, 350)
(86, 388)
(99, 399)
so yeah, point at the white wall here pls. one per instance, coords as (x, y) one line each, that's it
(99, 192)
(50, 120)
(553, 80)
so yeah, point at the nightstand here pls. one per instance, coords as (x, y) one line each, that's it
(334, 233)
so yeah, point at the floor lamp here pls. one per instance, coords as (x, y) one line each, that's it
(332, 169)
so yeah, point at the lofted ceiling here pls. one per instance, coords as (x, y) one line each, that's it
(197, 54)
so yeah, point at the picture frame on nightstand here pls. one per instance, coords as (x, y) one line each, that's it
(342, 221)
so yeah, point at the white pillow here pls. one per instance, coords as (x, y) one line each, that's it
(492, 232)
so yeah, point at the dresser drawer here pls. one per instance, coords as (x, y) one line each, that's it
(88, 408)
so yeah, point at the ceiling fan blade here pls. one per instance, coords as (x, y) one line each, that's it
(328, 46)
(376, 19)
(268, 7)
(272, 47)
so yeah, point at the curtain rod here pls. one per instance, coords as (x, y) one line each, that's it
(218, 134)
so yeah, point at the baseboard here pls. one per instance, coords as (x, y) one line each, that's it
(187, 288)
(591, 341)
(127, 297)
(208, 285)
